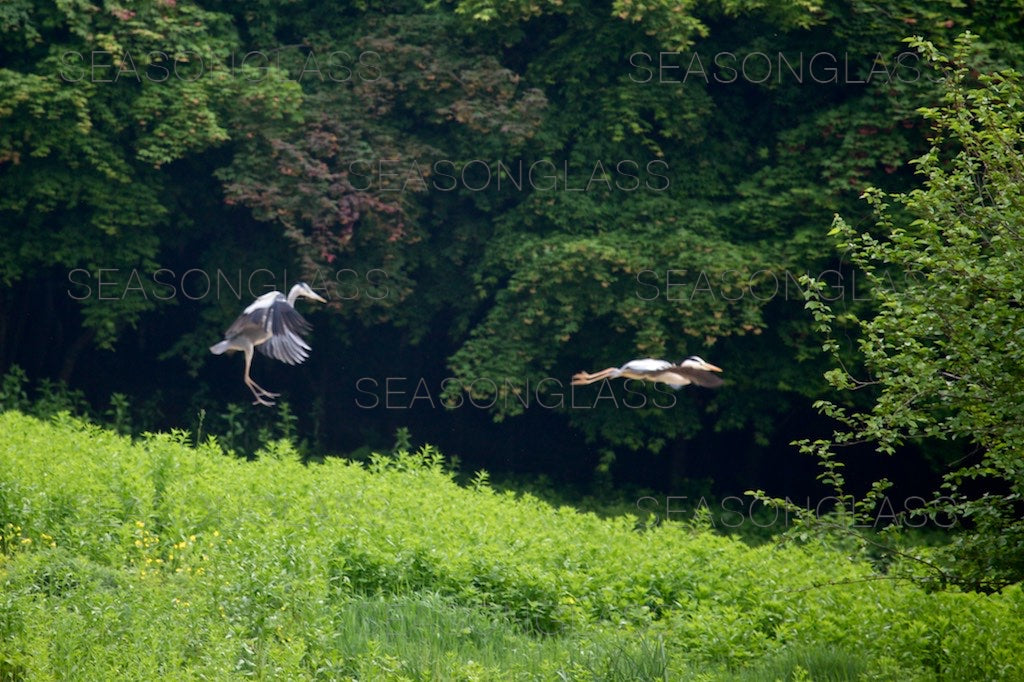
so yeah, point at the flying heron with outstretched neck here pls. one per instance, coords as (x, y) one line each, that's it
(272, 325)
(692, 370)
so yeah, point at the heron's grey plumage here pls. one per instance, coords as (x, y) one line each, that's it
(699, 377)
(271, 325)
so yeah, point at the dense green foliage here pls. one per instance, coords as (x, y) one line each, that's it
(494, 195)
(944, 351)
(94, 104)
(157, 559)
(379, 152)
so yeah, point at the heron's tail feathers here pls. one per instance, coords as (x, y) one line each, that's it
(219, 348)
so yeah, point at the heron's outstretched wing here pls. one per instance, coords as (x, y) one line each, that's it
(252, 323)
(697, 376)
(286, 327)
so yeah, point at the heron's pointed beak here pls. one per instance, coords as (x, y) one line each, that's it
(317, 297)
(711, 368)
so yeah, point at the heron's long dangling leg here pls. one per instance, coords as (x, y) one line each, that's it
(258, 391)
(584, 378)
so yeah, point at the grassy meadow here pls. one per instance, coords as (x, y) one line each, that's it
(157, 559)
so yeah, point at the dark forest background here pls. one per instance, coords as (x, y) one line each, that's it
(165, 162)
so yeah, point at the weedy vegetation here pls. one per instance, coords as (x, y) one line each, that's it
(155, 558)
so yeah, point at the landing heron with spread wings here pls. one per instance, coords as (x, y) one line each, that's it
(692, 370)
(273, 326)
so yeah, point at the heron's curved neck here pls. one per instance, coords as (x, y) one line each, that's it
(293, 295)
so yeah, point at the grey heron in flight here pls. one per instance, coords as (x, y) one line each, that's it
(272, 325)
(692, 370)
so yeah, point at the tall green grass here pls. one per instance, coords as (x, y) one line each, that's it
(156, 560)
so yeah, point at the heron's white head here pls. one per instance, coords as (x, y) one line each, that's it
(697, 362)
(306, 291)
